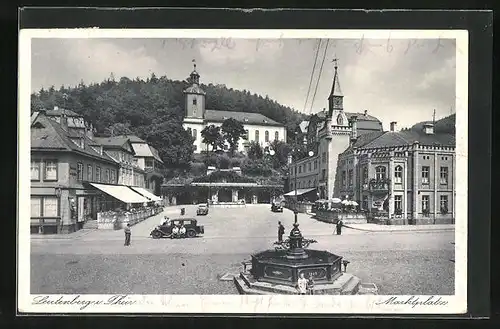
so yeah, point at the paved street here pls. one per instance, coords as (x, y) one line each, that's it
(95, 262)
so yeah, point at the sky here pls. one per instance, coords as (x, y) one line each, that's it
(394, 80)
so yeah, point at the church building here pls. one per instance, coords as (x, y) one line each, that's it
(328, 134)
(258, 127)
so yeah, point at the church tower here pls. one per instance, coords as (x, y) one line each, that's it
(195, 96)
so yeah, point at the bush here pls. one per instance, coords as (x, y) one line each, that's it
(236, 162)
(211, 160)
(256, 168)
(198, 168)
(223, 162)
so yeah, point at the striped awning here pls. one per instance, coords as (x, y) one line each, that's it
(121, 192)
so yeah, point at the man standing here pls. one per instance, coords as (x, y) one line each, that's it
(339, 227)
(281, 231)
(302, 284)
(127, 235)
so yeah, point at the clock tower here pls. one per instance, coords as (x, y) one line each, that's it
(336, 99)
(195, 97)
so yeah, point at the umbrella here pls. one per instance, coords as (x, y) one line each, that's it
(353, 203)
(335, 200)
(346, 202)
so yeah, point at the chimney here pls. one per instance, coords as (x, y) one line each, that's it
(393, 126)
(429, 128)
(354, 128)
(365, 113)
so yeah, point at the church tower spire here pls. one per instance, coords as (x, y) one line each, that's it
(335, 100)
(194, 76)
(195, 96)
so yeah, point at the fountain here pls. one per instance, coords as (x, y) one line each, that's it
(277, 271)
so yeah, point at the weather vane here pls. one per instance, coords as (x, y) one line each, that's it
(335, 61)
(194, 63)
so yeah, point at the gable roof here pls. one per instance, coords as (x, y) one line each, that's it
(408, 137)
(59, 111)
(243, 117)
(114, 142)
(133, 138)
(361, 116)
(53, 137)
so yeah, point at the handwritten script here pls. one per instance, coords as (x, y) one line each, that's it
(83, 302)
(414, 301)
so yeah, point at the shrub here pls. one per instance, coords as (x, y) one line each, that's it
(236, 162)
(256, 168)
(198, 168)
(223, 162)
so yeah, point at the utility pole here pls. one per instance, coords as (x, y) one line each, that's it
(434, 116)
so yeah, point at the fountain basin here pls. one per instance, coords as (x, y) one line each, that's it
(272, 266)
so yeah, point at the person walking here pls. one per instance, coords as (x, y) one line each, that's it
(281, 231)
(302, 285)
(127, 235)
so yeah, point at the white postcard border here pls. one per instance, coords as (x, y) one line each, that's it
(455, 304)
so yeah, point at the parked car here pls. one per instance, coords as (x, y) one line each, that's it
(276, 207)
(202, 209)
(165, 230)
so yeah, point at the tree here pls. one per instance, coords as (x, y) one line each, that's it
(211, 135)
(255, 151)
(233, 130)
(118, 129)
(281, 150)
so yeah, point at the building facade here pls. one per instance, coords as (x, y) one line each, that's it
(119, 148)
(407, 175)
(328, 134)
(258, 127)
(63, 163)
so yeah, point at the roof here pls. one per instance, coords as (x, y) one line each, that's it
(243, 117)
(194, 89)
(53, 137)
(408, 137)
(133, 138)
(361, 116)
(113, 142)
(145, 150)
(59, 111)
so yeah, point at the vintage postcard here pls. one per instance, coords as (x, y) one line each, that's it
(243, 171)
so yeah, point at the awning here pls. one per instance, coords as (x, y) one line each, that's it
(300, 191)
(122, 193)
(146, 193)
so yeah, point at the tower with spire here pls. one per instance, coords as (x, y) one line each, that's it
(195, 96)
(336, 99)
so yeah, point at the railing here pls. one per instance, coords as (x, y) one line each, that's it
(379, 185)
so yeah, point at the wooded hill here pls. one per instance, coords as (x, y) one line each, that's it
(153, 109)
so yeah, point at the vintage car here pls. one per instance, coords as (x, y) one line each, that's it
(202, 209)
(276, 207)
(165, 230)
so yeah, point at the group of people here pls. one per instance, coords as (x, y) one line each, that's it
(178, 231)
(305, 286)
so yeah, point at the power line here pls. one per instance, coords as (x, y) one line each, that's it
(320, 71)
(312, 74)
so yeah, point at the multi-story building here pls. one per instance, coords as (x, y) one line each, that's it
(63, 163)
(119, 148)
(258, 127)
(408, 175)
(148, 160)
(327, 135)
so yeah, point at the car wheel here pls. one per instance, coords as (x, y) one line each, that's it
(156, 235)
(191, 234)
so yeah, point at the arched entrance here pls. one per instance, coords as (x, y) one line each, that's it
(225, 195)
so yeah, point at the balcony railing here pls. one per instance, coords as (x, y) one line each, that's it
(379, 184)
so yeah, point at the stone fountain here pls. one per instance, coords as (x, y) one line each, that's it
(277, 271)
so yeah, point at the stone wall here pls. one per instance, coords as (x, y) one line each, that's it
(347, 218)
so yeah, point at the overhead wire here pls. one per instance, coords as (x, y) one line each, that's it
(319, 75)
(312, 75)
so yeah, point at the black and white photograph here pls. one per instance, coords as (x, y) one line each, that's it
(236, 170)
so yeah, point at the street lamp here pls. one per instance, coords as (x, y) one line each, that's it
(58, 195)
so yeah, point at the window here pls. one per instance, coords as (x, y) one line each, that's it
(425, 203)
(79, 170)
(309, 184)
(149, 163)
(97, 174)
(398, 202)
(35, 170)
(398, 175)
(276, 135)
(256, 135)
(365, 175)
(323, 174)
(90, 173)
(195, 101)
(195, 147)
(323, 157)
(36, 207)
(50, 207)
(443, 202)
(50, 172)
(266, 136)
(343, 177)
(315, 164)
(380, 172)
(106, 176)
(300, 169)
(350, 177)
(340, 120)
(443, 175)
(245, 137)
(425, 174)
(113, 176)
